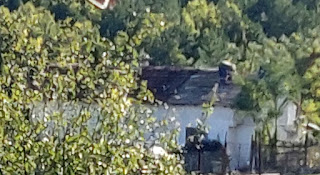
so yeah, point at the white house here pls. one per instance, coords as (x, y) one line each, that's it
(184, 90)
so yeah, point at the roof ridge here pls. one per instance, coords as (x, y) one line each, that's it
(188, 68)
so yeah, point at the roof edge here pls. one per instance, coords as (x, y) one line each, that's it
(177, 68)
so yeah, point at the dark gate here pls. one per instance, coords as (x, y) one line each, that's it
(204, 156)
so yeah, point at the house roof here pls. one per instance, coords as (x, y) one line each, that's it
(188, 86)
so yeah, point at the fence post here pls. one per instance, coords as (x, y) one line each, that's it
(259, 154)
(199, 160)
(287, 159)
(306, 149)
(251, 154)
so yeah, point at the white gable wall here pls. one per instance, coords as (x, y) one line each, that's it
(287, 129)
(222, 125)
(239, 143)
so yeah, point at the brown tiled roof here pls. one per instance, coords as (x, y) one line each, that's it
(188, 86)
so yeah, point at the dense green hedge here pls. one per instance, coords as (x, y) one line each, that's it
(44, 62)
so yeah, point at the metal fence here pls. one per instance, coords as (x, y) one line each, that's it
(285, 158)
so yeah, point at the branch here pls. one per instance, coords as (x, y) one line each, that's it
(306, 63)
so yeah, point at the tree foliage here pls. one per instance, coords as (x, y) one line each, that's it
(53, 74)
(52, 47)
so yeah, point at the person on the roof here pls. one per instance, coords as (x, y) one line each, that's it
(225, 71)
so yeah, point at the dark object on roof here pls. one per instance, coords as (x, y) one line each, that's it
(225, 72)
(188, 86)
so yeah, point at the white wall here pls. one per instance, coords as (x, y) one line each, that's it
(222, 124)
(287, 129)
(239, 143)
(187, 116)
